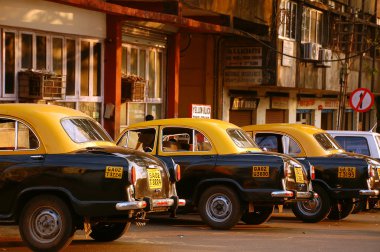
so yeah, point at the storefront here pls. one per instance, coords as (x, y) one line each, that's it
(60, 63)
(143, 74)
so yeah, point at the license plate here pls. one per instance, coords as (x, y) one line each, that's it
(154, 178)
(299, 175)
(346, 172)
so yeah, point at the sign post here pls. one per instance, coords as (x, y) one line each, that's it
(361, 100)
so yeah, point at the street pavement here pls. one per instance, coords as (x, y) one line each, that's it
(357, 233)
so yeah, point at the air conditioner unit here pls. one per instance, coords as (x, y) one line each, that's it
(325, 57)
(310, 51)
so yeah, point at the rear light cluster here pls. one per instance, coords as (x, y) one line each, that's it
(287, 169)
(371, 170)
(312, 172)
(177, 172)
(132, 175)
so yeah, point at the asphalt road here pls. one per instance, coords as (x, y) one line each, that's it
(359, 233)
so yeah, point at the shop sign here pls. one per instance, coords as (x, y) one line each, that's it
(240, 103)
(247, 56)
(279, 102)
(332, 104)
(306, 103)
(242, 77)
(287, 49)
(200, 111)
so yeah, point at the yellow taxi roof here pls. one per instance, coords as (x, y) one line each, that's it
(45, 121)
(215, 131)
(303, 134)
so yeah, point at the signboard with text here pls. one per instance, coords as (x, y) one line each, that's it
(200, 111)
(245, 56)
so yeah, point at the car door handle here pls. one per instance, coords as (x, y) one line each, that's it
(37, 157)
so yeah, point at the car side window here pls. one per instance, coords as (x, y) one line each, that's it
(15, 135)
(290, 146)
(354, 144)
(178, 139)
(139, 139)
(269, 142)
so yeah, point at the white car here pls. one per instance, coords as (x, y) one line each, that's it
(362, 142)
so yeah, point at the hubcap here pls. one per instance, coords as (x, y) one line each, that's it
(310, 207)
(218, 207)
(45, 225)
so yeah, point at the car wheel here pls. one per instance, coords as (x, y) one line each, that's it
(106, 232)
(313, 210)
(219, 207)
(346, 208)
(46, 224)
(260, 215)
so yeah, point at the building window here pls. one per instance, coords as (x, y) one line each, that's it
(9, 63)
(26, 51)
(57, 55)
(41, 52)
(288, 15)
(311, 26)
(76, 60)
(70, 66)
(147, 64)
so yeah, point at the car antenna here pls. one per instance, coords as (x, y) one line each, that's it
(374, 126)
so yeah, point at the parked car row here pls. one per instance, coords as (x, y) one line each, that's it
(60, 171)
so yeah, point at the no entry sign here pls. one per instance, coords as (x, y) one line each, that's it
(361, 100)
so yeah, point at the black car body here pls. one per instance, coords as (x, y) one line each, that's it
(340, 178)
(223, 173)
(59, 171)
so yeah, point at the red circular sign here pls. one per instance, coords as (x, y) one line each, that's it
(361, 100)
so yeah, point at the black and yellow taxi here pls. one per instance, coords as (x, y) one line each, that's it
(339, 177)
(224, 175)
(60, 171)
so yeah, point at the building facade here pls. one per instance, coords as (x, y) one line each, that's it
(253, 62)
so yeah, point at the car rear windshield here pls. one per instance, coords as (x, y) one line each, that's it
(82, 130)
(241, 138)
(378, 140)
(327, 142)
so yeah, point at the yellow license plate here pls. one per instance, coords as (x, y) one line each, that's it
(299, 175)
(154, 178)
(346, 172)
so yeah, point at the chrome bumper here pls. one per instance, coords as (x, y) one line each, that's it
(295, 195)
(369, 192)
(135, 205)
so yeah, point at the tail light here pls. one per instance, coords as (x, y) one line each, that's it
(371, 171)
(287, 170)
(177, 172)
(132, 175)
(312, 172)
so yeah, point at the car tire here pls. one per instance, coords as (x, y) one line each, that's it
(106, 232)
(260, 215)
(346, 209)
(220, 207)
(314, 210)
(46, 224)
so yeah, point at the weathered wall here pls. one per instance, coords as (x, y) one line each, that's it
(196, 71)
(43, 15)
(258, 11)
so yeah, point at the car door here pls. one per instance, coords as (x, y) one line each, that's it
(20, 152)
(192, 150)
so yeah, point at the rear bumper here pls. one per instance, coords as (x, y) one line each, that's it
(150, 204)
(369, 192)
(294, 195)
